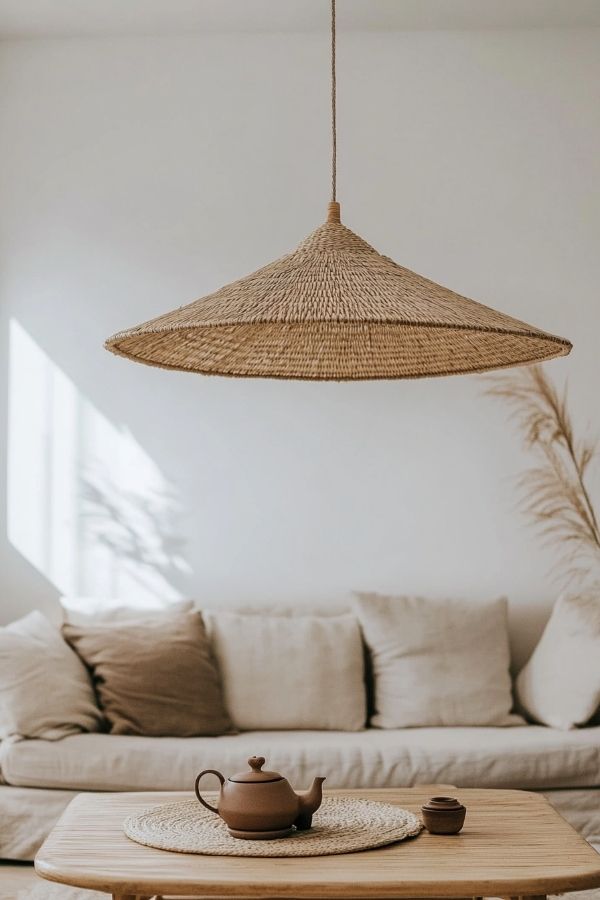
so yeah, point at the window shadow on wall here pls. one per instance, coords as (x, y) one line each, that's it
(86, 505)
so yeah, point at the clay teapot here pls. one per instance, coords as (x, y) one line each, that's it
(257, 805)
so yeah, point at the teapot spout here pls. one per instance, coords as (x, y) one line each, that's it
(308, 803)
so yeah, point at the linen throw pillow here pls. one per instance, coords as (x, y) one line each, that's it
(45, 691)
(437, 662)
(154, 678)
(291, 672)
(560, 685)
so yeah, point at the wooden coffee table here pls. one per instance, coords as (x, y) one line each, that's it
(513, 845)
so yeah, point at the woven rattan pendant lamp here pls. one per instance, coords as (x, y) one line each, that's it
(335, 309)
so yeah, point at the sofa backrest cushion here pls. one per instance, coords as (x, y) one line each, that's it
(526, 619)
(45, 690)
(77, 610)
(290, 672)
(154, 678)
(437, 662)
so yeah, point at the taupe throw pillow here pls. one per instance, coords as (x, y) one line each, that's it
(154, 679)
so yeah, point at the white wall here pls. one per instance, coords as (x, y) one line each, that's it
(139, 174)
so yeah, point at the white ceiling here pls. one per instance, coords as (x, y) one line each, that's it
(72, 18)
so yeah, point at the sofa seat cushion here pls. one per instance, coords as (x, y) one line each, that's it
(522, 757)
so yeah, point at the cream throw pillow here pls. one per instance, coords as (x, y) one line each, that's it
(437, 662)
(560, 685)
(283, 672)
(45, 690)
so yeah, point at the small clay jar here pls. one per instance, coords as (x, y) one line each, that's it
(443, 815)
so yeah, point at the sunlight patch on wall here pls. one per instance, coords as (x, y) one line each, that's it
(87, 506)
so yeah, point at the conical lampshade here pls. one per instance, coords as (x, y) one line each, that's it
(335, 309)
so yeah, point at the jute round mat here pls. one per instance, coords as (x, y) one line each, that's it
(341, 825)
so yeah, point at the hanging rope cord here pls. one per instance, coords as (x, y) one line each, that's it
(333, 109)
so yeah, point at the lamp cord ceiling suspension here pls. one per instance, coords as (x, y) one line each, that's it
(333, 109)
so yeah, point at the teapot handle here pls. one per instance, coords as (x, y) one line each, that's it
(198, 795)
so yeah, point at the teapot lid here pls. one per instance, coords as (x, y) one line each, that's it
(256, 774)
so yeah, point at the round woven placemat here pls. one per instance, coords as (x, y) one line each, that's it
(341, 825)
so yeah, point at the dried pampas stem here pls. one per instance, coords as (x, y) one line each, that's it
(555, 493)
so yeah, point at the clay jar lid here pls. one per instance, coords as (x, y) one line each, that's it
(256, 775)
(442, 804)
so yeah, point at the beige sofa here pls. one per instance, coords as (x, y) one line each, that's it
(39, 777)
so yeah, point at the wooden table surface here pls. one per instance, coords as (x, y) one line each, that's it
(513, 844)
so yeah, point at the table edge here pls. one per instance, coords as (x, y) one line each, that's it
(514, 886)
(585, 879)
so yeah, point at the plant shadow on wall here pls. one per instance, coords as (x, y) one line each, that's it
(555, 491)
(87, 506)
(136, 529)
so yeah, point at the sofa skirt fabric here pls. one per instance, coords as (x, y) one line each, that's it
(529, 757)
(580, 808)
(27, 816)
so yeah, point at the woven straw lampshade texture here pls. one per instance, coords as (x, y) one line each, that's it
(335, 309)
